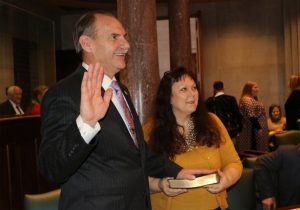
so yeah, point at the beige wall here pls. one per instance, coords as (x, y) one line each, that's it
(243, 40)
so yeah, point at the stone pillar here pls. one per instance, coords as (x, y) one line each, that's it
(142, 73)
(180, 35)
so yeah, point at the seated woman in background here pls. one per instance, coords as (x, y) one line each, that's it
(276, 122)
(186, 133)
(37, 94)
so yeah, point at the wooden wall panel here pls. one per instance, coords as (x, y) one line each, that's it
(19, 143)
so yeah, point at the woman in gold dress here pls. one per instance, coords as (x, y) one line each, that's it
(186, 133)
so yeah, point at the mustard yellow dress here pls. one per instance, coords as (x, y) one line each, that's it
(201, 157)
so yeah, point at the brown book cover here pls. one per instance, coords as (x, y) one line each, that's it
(200, 181)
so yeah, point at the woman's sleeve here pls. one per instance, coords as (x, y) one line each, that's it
(228, 154)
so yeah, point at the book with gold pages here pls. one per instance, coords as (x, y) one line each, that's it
(199, 181)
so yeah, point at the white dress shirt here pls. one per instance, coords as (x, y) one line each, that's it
(17, 111)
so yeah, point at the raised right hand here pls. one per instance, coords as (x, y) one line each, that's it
(93, 106)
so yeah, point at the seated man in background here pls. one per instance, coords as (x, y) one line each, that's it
(12, 106)
(277, 177)
(226, 108)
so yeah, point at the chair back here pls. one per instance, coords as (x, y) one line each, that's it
(288, 137)
(43, 201)
(241, 196)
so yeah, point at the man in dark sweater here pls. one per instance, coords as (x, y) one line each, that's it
(226, 108)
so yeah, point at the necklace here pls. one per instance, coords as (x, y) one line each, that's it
(190, 136)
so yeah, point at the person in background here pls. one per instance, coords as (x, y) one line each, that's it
(276, 122)
(92, 139)
(277, 177)
(254, 135)
(226, 108)
(12, 106)
(186, 133)
(34, 107)
(292, 104)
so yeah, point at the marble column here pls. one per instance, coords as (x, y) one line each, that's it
(180, 35)
(142, 73)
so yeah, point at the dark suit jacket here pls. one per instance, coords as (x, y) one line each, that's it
(277, 175)
(110, 173)
(6, 108)
(226, 108)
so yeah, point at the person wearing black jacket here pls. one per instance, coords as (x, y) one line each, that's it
(226, 108)
(92, 139)
(277, 177)
(12, 106)
(292, 104)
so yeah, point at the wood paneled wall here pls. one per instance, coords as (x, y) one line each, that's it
(19, 175)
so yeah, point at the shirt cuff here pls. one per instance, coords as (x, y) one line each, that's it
(87, 132)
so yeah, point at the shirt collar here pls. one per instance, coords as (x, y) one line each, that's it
(106, 79)
(219, 93)
(14, 104)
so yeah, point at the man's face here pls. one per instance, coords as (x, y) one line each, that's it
(16, 96)
(109, 47)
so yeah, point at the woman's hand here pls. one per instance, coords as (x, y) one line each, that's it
(164, 186)
(269, 203)
(223, 184)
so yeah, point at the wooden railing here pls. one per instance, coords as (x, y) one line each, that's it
(19, 144)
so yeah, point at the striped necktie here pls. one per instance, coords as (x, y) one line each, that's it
(126, 111)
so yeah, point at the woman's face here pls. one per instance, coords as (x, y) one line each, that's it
(275, 113)
(184, 96)
(255, 90)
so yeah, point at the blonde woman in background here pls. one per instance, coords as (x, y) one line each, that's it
(254, 135)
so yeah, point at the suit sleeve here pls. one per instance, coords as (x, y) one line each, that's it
(265, 170)
(160, 166)
(62, 150)
(157, 165)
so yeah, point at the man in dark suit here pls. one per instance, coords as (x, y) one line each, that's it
(277, 177)
(93, 145)
(226, 108)
(12, 106)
